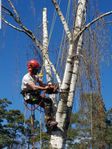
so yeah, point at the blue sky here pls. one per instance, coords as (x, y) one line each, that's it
(15, 50)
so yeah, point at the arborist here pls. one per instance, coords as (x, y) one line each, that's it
(32, 88)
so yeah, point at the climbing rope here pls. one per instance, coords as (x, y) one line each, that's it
(33, 108)
(53, 23)
(40, 130)
(63, 38)
(32, 121)
(33, 128)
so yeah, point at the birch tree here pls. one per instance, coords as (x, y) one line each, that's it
(69, 81)
(67, 86)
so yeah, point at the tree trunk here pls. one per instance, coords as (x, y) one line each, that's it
(45, 47)
(46, 55)
(65, 25)
(80, 19)
(58, 138)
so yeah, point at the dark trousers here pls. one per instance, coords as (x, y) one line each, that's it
(44, 102)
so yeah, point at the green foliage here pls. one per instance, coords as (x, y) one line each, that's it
(11, 124)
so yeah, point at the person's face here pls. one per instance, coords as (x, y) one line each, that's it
(35, 70)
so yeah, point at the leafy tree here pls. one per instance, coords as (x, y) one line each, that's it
(11, 125)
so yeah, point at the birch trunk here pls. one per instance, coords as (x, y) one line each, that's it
(45, 47)
(74, 75)
(65, 25)
(46, 56)
(80, 19)
(58, 138)
(68, 68)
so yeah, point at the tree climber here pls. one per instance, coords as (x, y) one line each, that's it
(32, 86)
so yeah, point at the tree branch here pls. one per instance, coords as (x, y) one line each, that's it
(11, 25)
(66, 28)
(14, 9)
(19, 22)
(17, 19)
(7, 11)
(92, 22)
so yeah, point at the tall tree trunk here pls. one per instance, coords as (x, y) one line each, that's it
(58, 138)
(45, 48)
(80, 19)
(46, 56)
(65, 25)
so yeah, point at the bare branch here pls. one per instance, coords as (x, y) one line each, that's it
(7, 11)
(109, 22)
(14, 9)
(11, 25)
(16, 17)
(92, 22)
(66, 28)
(23, 28)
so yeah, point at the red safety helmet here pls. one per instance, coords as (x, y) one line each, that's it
(33, 64)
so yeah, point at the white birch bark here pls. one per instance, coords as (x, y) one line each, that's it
(46, 56)
(67, 75)
(74, 75)
(65, 25)
(58, 138)
(80, 18)
(45, 47)
(47, 63)
(68, 67)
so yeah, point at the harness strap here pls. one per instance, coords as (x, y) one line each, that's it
(36, 93)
